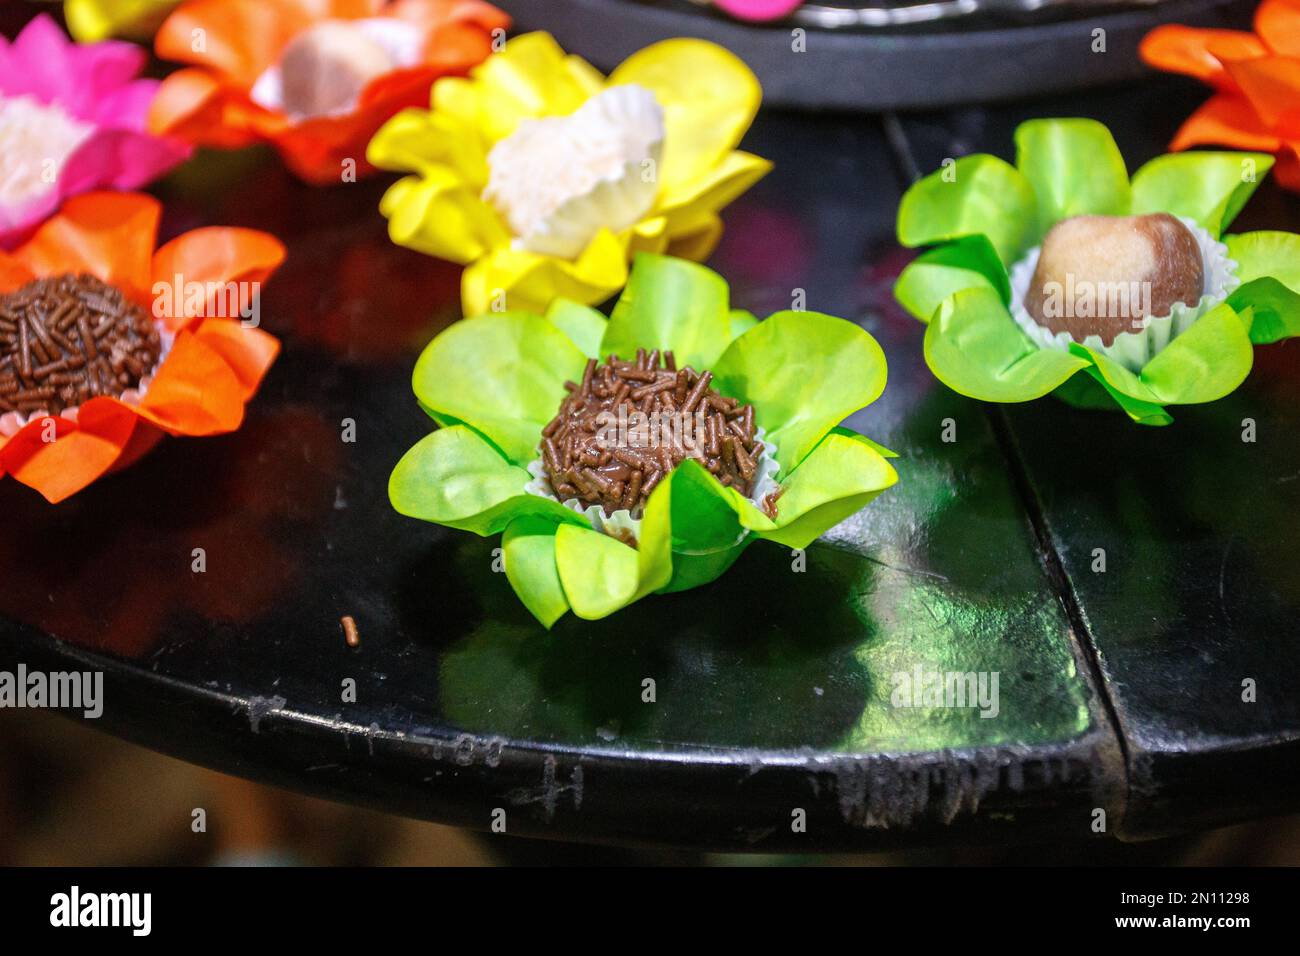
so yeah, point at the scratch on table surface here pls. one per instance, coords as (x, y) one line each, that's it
(551, 790)
(901, 569)
(885, 792)
(1223, 574)
(260, 707)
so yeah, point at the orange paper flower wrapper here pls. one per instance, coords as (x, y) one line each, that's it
(1256, 78)
(211, 103)
(203, 382)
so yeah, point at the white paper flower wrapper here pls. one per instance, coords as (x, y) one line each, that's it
(13, 422)
(1134, 349)
(622, 524)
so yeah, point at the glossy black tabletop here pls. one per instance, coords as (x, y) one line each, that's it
(774, 686)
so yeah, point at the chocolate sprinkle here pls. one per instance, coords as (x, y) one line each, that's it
(69, 338)
(627, 424)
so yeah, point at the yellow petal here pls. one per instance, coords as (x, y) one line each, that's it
(519, 280)
(699, 245)
(437, 216)
(709, 99)
(531, 77)
(90, 21)
(649, 235)
(695, 202)
(418, 140)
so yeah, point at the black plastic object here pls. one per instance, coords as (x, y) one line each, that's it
(921, 67)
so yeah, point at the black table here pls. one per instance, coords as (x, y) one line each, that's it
(1119, 692)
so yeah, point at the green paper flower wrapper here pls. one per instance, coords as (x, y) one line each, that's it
(494, 382)
(983, 219)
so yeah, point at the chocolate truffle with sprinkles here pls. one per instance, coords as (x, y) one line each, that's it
(627, 424)
(68, 338)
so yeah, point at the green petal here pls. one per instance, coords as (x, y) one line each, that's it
(453, 477)
(584, 326)
(975, 348)
(976, 195)
(840, 477)
(691, 570)
(937, 273)
(700, 521)
(742, 321)
(804, 373)
(1210, 187)
(875, 446)
(599, 573)
(1084, 391)
(672, 304)
(1268, 264)
(529, 549)
(1203, 364)
(1123, 386)
(501, 373)
(702, 515)
(1075, 168)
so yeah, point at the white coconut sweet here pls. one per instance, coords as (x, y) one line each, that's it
(559, 180)
(325, 68)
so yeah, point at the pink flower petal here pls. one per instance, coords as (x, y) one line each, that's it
(126, 107)
(95, 83)
(120, 159)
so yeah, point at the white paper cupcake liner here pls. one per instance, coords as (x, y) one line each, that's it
(1134, 349)
(13, 422)
(625, 526)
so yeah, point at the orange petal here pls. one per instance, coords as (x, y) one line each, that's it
(430, 14)
(13, 274)
(316, 149)
(1226, 119)
(211, 259)
(1286, 171)
(195, 392)
(1272, 84)
(109, 235)
(248, 352)
(193, 105)
(81, 452)
(241, 38)
(1278, 24)
(1198, 52)
(459, 31)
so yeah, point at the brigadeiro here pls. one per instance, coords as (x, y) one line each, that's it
(627, 424)
(69, 338)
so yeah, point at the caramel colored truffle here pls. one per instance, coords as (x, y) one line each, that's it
(324, 69)
(1103, 275)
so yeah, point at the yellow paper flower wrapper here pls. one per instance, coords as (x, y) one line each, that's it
(704, 98)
